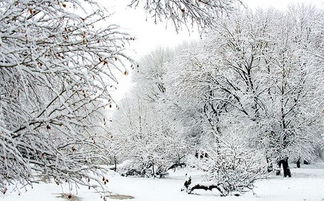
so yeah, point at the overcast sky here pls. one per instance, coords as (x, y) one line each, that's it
(150, 36)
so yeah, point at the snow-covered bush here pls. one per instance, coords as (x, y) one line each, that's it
(231, 169)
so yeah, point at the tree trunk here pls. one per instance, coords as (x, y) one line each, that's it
(285, 167)
(298, 163)
(269, 166)
(115, 163)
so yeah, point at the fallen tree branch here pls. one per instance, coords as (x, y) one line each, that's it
(206, 188)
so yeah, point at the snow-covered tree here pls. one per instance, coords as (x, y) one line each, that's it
(253, 74)
(150, 84)
(148, 141)
(149, 77)
(185, 12)
(55, 64)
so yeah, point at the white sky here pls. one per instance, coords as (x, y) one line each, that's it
(150, 36)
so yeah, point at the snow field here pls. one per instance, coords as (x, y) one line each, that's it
(307, 184)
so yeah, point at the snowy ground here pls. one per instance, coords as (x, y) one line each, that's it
(307, 184)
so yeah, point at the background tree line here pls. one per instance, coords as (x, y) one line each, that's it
(249, 95)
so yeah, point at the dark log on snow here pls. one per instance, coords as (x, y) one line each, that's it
(189, 189)
(206, 188)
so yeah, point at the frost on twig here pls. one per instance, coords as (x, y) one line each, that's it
(202, 13)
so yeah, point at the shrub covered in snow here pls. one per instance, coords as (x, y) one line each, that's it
(231, 169)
